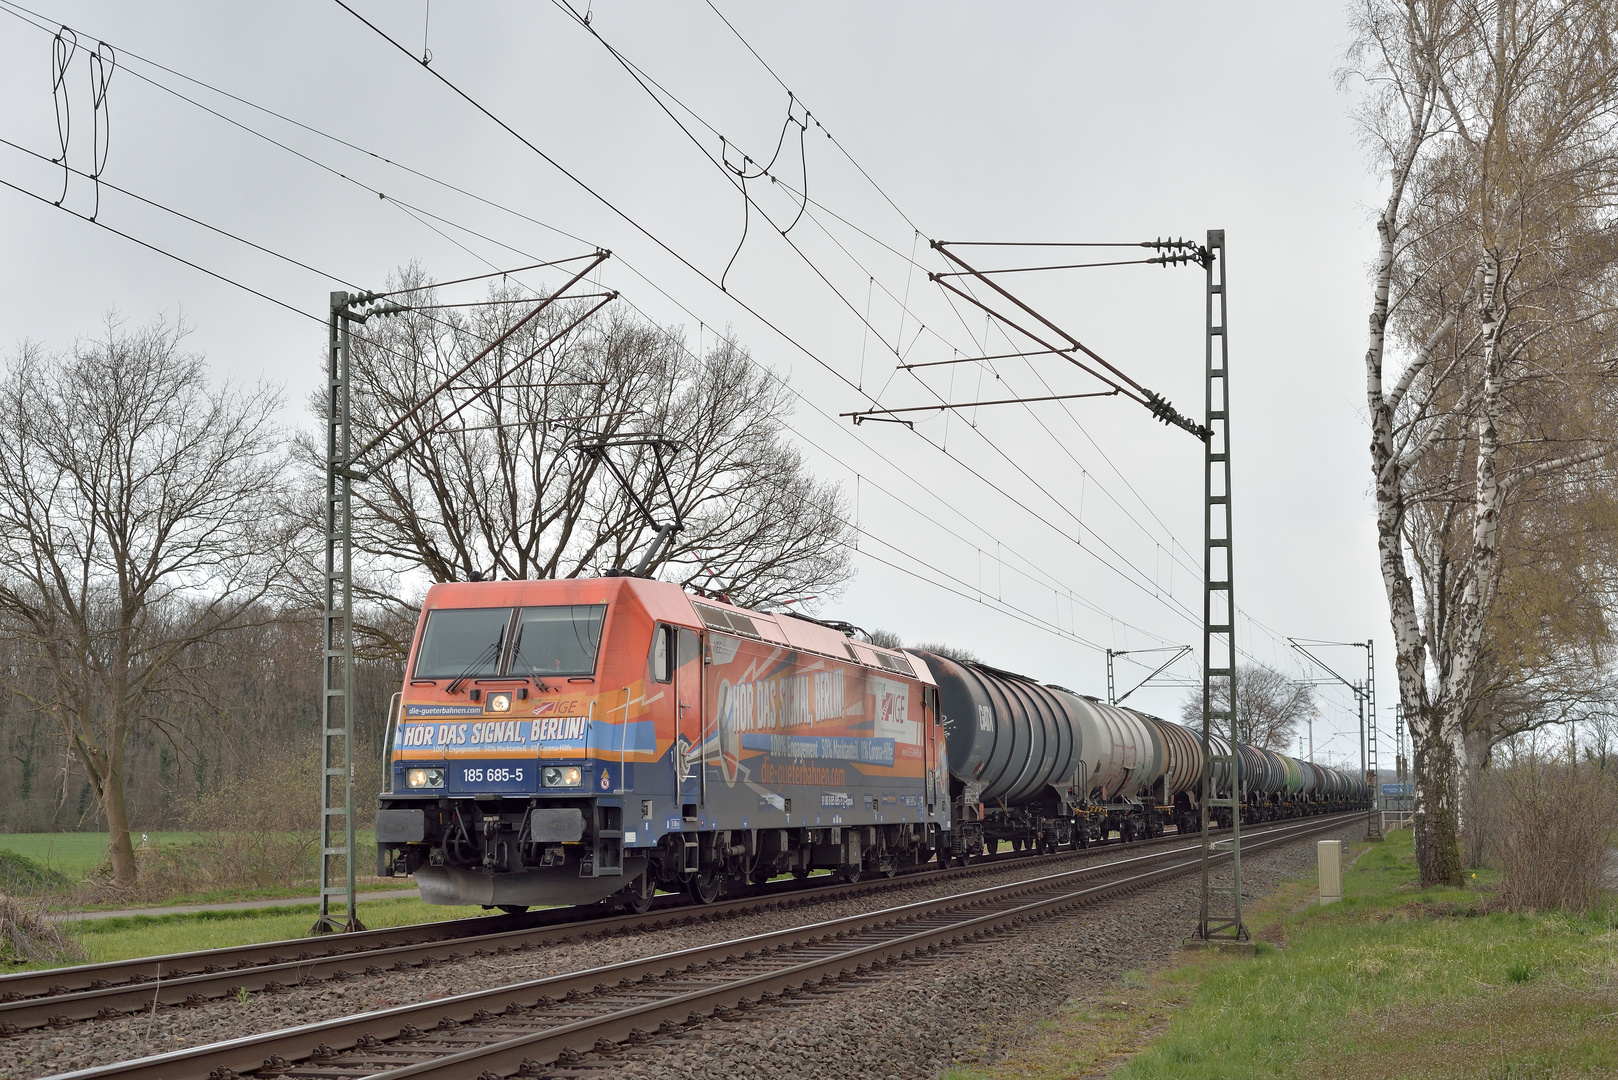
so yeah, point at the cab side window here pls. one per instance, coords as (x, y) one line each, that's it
(663, 653)
(690, 646)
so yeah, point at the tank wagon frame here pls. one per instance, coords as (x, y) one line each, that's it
(1043, 767)
(576, 741)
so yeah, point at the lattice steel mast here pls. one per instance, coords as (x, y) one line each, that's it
(1365, 696)
(1373, 814)
(337, 640)
(1219, 605)
(1219, 922)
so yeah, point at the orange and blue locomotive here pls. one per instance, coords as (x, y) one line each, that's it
(571, 741)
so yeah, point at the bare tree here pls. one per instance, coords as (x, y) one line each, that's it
(136, 524)
(502, 488)
(1489, 375)
(1270, 706)
(948, 651)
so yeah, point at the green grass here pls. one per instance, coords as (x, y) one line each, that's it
(77, 853)
(1396, 981)
(246, 895)
(130, 937)
(1400, 981)
(20, 874)
(74, 855)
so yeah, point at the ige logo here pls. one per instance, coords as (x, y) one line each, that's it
(606, 781)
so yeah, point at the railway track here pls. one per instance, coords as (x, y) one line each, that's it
(60, 997)
(526, 1028)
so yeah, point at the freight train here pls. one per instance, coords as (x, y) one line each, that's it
(586, 740)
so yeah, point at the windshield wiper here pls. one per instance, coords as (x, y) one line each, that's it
(516, 644)
(490, 652)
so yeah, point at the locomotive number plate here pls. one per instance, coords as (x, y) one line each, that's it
(502, 776)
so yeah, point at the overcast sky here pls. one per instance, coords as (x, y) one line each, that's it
(1035, 536)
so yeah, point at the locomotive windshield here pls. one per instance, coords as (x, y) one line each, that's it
(559, 640)
(462, 642)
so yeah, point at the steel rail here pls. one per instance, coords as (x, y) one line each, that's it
(62, 996)
(63, 1005)
(693, 985)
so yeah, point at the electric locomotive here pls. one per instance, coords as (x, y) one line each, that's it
(572, 741)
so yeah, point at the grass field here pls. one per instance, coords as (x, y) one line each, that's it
(1395, 981)
(76, 853)
(128, 938)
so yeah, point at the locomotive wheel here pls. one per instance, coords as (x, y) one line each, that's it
(637, 898)
(513, 909)
(801, 872)
(704, 886)
(942, 854)
(850, 874)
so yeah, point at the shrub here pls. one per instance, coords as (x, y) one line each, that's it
(29, 935)
(263, 830)
(260, 830)
(20, 874)
(1551, 824)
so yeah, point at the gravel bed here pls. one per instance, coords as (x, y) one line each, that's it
(905, 1016)
(43, 1052)
(970, 1006)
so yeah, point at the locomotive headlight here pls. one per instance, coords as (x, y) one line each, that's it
(499, 702)
(424, 778)
(561, 776)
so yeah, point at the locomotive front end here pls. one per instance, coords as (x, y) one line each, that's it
(508, 762)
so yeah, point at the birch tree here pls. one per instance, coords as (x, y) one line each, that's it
(1489, 374)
